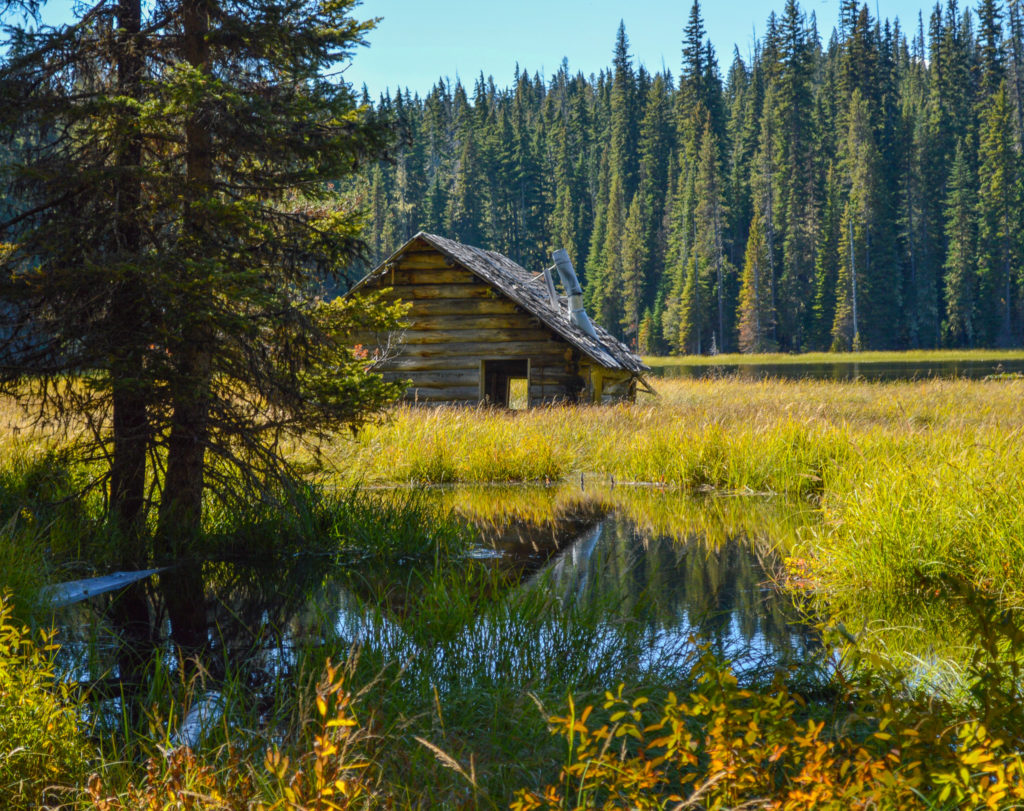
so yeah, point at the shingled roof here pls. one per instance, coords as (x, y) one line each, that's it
(529, 291)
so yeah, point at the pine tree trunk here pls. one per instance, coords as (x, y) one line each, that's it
(130, 611)
(130, 428)
(181, 507)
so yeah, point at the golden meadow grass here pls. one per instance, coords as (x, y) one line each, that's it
(913, 479)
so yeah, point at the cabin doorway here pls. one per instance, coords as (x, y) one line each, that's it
(505, 383)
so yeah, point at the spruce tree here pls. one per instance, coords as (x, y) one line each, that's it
(755, 312)
(855, 288)
(173, 218)
(1000, 230)
(961, 280)
(634, 262)
(709, 222)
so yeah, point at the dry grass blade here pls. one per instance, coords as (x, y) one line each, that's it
(447, 760)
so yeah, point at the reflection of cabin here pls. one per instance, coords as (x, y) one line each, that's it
(479, 325)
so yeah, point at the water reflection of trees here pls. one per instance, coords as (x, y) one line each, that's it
(248, 618)
(600, 545)
(719, 592)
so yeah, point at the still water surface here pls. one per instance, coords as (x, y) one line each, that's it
(680, 571)
(842, 371)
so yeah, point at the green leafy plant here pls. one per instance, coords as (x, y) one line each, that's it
(42, 746)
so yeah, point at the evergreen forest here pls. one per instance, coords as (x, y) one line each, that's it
(854, 190)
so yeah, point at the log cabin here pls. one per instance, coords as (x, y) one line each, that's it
(480, 326)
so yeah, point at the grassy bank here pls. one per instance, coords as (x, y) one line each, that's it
(914, 480)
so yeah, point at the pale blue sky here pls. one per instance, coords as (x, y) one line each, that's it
(417, 42)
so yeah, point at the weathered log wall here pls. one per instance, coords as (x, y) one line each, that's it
(457, 321)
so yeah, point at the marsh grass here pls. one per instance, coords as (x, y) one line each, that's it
(778, 437)
(913, 479)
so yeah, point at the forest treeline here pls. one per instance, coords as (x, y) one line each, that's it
(859, 192)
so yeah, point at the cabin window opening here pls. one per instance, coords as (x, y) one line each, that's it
(505, 382)
(518, 393)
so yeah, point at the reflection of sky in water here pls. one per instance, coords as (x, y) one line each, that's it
(861, 370)
(686, 593)
(675, 593)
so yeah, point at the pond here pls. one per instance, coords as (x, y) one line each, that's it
(845, 370)
(563, 582)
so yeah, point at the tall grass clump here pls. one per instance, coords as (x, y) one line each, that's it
(349, 525)
(449, 444)
(895, 523)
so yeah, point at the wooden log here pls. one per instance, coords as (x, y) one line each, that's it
(434, 379)
(419, 321)
(414, 292)
(560, 381)
(424, 260)
(420, 247)
(484, 337)
(412, 364)
(550, 363)
(437, 276)
(428, 307)
(475, 349)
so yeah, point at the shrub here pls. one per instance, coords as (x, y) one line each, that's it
(727, 747)
(41, 743)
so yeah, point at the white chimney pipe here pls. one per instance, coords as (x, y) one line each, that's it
(577, 314)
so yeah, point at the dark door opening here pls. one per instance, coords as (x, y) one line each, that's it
(497, 377)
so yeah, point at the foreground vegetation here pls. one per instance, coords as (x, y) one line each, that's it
(453, 688)
(465, 727)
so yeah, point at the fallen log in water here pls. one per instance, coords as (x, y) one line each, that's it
(74, 591)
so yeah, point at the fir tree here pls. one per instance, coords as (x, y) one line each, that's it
(960, 266)
(755, 312)
(173, 218)
(1000, 230)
